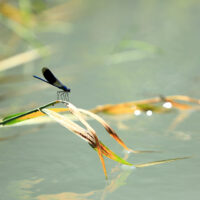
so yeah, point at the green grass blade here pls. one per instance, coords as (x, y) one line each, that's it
(19, 117)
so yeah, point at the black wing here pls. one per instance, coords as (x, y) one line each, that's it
(49, 76)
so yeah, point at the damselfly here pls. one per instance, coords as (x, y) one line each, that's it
(52, 80)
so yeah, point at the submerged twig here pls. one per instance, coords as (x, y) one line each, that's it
(159, 162)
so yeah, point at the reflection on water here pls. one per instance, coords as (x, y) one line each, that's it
(22, 189)
(167, 105)
(65, 196)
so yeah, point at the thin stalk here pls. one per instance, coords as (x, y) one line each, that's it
(29, 112)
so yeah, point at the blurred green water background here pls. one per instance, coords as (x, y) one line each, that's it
(106, 52)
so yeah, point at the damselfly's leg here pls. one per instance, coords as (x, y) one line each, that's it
(59, 93)
(67, 96)
(62, 96)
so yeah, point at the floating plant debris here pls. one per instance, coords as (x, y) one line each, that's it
(88, 134)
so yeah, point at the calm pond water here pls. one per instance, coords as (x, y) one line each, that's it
(106, 52)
